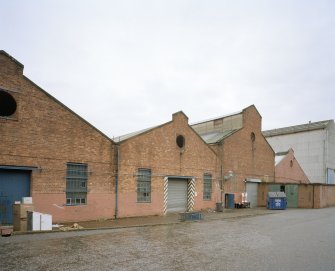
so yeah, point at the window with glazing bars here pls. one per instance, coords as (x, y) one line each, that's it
(76, 183)
(144, 185)
(207, 187)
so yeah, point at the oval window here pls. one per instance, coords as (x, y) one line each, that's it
(7, 104)
(180, 141)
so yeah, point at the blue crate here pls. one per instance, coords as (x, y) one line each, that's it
(191, 216)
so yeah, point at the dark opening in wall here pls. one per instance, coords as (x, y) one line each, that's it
(253, 137)
(180, 141)
(7, 104)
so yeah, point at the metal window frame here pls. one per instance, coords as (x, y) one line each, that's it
(144, 185)
(76, 176)
(208, 186)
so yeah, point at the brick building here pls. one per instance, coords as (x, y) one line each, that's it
(167, 168)
(245, 157)
(75, 172)
(50, 153)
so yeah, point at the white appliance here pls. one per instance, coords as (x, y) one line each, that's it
(39, 222)
(27, 200)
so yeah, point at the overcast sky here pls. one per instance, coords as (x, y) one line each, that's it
(128, 65)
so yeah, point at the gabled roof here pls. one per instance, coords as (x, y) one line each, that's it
(297, 128)
(211, 134)
(2, 52)
(133, 134)
(124, 138)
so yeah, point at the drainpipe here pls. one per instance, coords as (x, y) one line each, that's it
(313, 195)
(117, 181)
(221, 172)
(222, 183)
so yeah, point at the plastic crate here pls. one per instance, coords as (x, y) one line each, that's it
(190, 216)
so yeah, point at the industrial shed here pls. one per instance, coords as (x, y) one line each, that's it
(167, 168)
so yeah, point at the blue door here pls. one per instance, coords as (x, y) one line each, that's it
(14, 184)
(230, 201)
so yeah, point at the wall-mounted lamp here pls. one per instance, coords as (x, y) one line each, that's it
(230, 175)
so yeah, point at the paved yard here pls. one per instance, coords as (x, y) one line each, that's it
(284, 240)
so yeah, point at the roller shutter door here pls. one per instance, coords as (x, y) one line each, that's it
(14, 184)
(177, 195)
(252, 196)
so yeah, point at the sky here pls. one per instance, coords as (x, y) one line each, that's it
(128, 65)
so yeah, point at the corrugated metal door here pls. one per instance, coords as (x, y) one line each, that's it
(177, 195)
(14, 184)
(291, 191)
(252, 193)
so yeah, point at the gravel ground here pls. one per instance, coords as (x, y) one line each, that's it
(286, 240)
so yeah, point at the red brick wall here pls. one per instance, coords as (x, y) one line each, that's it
(45, 134)
(289, 171)
(157, 150)
(305, 196)
(309, 195)
(247, 158)
(324, 196)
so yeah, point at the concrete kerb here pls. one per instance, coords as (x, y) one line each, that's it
(207, 216)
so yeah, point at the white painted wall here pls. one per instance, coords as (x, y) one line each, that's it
(309, 150)
(330, 163)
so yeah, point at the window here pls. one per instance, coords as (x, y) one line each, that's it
(207, 187)
(180, 140)
(144, 185)
(76, 184)
(7, 104)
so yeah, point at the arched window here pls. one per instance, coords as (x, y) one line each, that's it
(180, 140)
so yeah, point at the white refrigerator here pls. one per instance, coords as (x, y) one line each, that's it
(39, 222)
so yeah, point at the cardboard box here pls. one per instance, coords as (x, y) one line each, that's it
(20, 216)
(20, 210)
(20, 224)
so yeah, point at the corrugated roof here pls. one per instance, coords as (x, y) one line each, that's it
(216, 118)
(297, 128)
(215, 137)
(127, 136)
